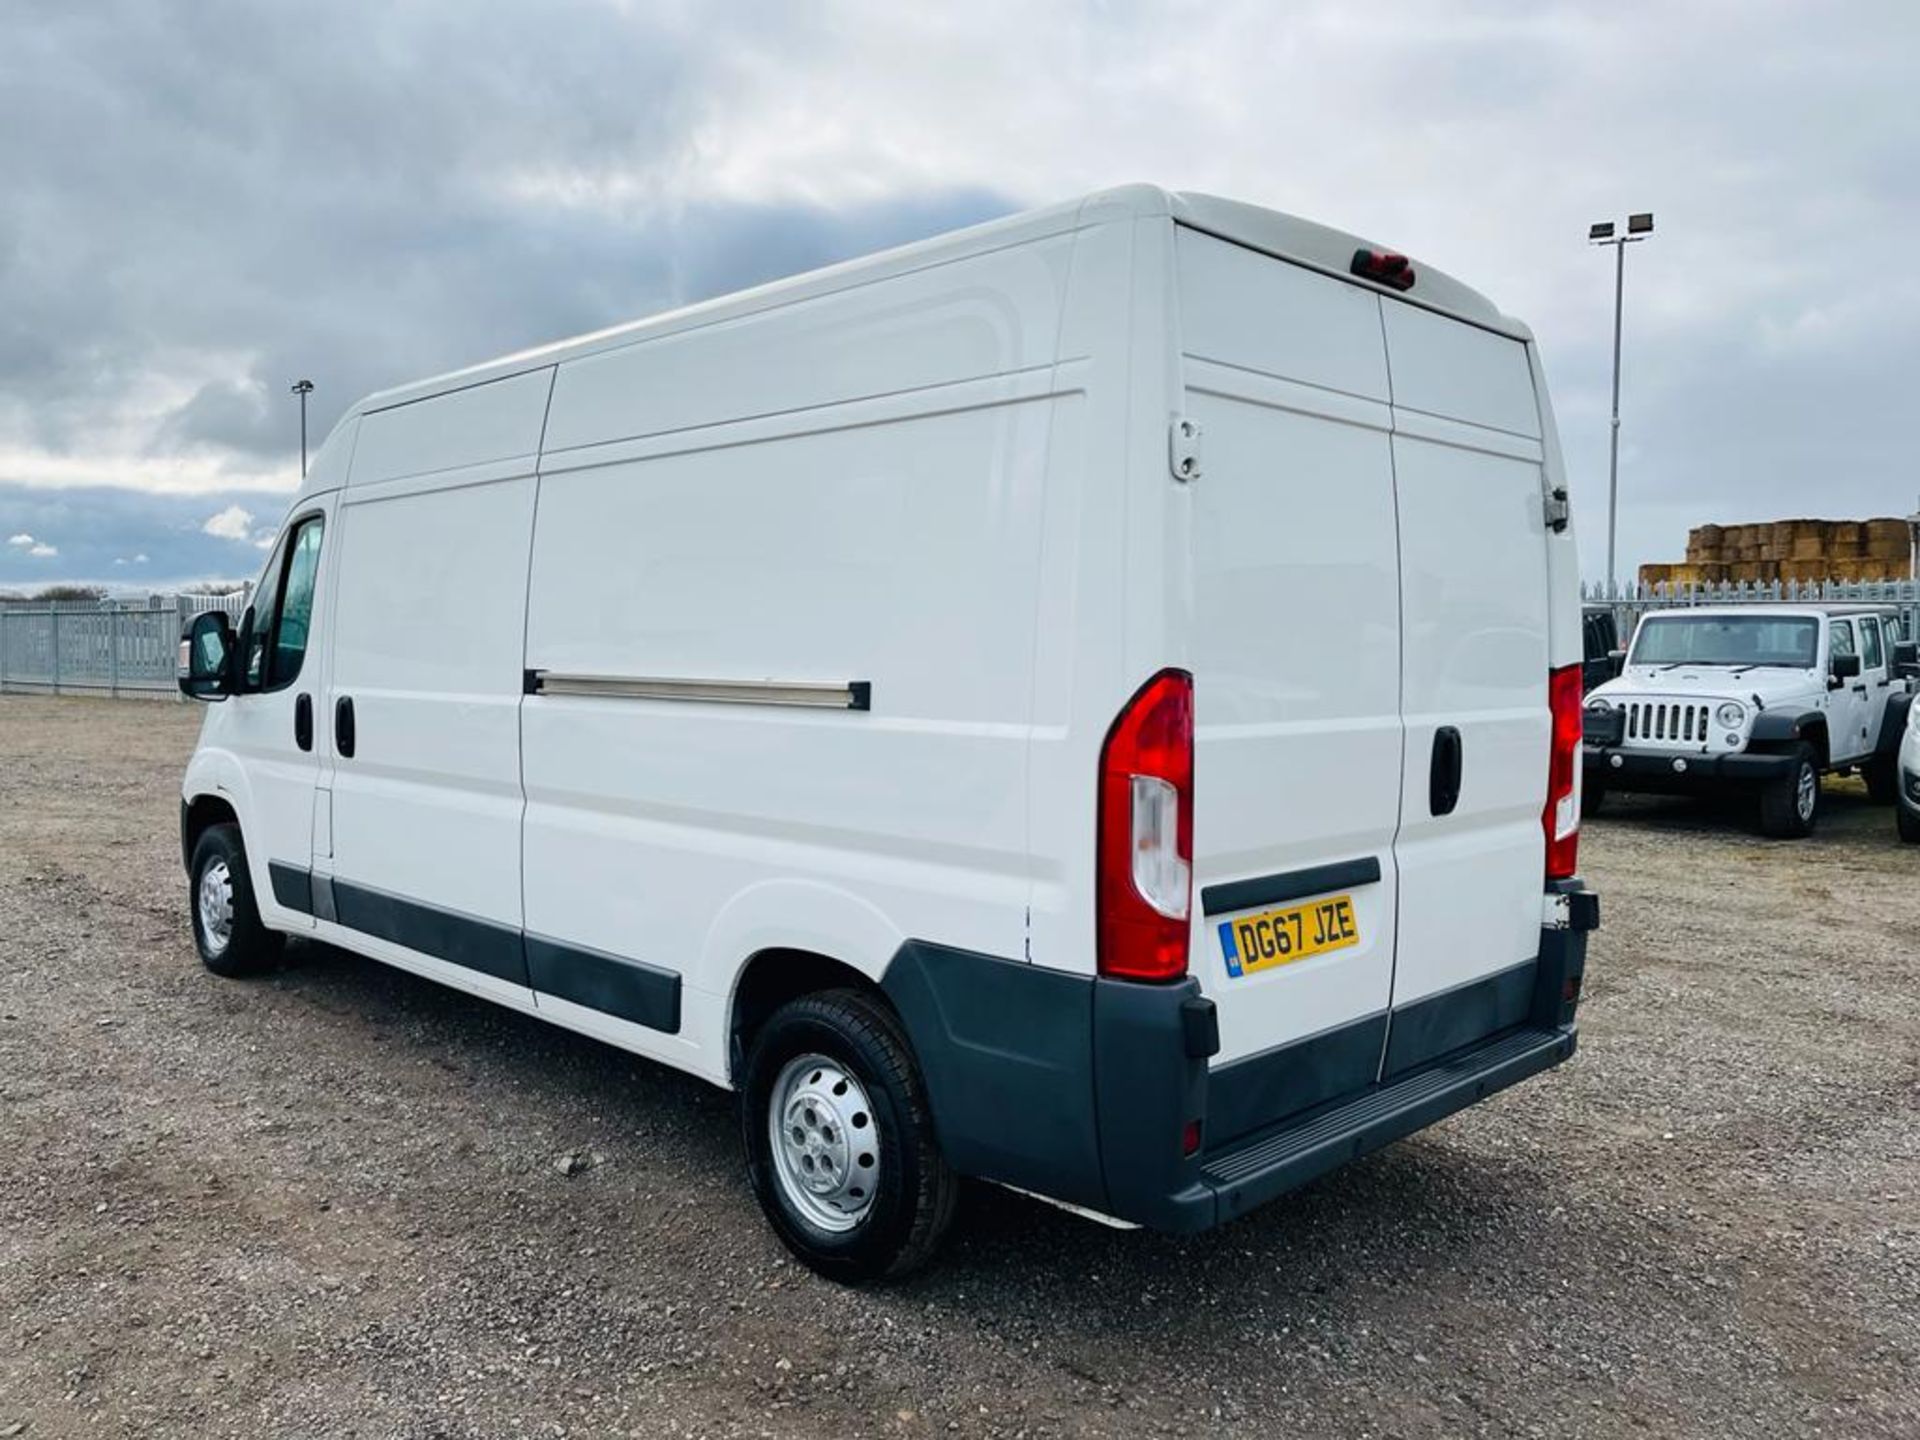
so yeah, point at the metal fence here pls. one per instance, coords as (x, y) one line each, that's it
(92, 647)
(1630, 602)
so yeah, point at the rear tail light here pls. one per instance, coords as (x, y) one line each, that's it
(1144, 877)
(1561, 818)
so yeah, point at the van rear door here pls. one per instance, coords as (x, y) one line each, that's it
(1296, 641)
(1475, 597)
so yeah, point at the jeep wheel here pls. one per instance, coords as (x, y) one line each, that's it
(1592, 797)
(1790, 806)
(1909, 823)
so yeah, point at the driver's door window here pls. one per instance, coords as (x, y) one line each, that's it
(257, 634)
(1841, 642)
(275, 643)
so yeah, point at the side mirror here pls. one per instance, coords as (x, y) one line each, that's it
(1617, 662)
(1906, 658)
(206, 657)
(1845, 667)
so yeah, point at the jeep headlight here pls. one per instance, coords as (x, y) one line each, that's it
(1731, 714)
(1601, 702)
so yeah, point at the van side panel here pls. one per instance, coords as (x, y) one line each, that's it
(480, 424)
(882, 536)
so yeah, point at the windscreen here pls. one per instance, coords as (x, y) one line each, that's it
(1728, 640)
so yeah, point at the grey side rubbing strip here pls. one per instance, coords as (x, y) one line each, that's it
(626, 989)
(1289, 885)
(291, 886)
(849, 695)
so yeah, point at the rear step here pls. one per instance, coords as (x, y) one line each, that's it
(1269, 1163)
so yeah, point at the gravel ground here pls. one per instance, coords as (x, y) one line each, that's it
(328, 1203)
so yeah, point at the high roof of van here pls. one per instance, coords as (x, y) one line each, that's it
(1289, 237)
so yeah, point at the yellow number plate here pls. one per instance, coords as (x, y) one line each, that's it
(1280, 937)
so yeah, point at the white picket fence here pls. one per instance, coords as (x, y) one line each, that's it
(99, 647)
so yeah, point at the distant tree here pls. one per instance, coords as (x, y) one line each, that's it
(70, 592)
(214, 587)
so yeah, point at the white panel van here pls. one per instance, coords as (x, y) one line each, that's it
(1089, 702)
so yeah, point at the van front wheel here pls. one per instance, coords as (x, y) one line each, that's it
(839, 1139)
(226, 922)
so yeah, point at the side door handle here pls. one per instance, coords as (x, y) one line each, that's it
(343, 736)
(1443, 775)
(303, 721)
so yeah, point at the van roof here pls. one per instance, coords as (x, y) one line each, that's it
(1287, 236)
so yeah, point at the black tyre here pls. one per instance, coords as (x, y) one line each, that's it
(1593, 799)
(1883, 780)
(226, 921)
(1908, 822)
(1790, 806)
(840, 1145)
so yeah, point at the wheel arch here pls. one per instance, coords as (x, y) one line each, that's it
(199, 815)
(1778, 728)
(780, 939)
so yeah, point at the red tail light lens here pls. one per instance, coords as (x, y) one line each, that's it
(1144, 879)
(1561, 818)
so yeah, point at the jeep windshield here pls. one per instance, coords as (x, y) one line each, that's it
(1728, 640)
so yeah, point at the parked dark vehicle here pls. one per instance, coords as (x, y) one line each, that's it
(1603, 652)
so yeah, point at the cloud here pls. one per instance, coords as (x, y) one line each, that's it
(232, 523)
(22, 539)
(245, 214)
(43, 551)
(162, 537)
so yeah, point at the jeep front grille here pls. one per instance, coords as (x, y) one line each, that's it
(1666, 722)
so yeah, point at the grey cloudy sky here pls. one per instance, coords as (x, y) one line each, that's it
(200, 202)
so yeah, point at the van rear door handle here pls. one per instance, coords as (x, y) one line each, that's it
(1443, 777)
(343, 726)
(303, 721)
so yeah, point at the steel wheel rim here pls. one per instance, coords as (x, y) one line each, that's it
(825, 1142)
(1807, 792)
(216, 906)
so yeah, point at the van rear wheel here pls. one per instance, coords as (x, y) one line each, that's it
(839, 1139)
(1790, 806)
(227, 930)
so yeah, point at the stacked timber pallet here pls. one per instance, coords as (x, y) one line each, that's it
(1799, 550)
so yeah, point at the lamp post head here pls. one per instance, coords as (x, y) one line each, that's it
(1600, 230)
(301, 387)
(1641, 224)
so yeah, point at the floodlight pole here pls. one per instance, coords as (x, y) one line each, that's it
(1613, 432)
(304, 388)
(1639, 227)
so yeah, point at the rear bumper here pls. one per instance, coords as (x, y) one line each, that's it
(1672, 772)
(1083, 1089)
(1267, 1165)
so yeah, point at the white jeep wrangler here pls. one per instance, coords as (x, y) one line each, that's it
(1767, 697)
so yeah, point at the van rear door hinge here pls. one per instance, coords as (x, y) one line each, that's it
(1183, 448)
(1554, 502)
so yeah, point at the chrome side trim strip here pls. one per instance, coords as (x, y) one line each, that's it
(852, 695)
